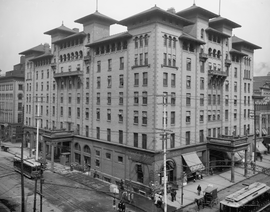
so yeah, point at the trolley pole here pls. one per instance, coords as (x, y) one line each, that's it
(165, 158)
(35, 194)
(255, 137)
(41, 182)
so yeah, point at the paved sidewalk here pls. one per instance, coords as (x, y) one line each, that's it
(221, 181)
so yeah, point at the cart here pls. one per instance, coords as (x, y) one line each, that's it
(210, 196)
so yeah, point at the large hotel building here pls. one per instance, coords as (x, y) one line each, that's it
(111, 101)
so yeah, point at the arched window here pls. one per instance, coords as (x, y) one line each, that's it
(141, 41)
(81, 54)
(170, 41)
(218, 54)
(77, 147)
(76, 55)
(68, 56)
(72, 56)
(185, 45)
(136, 42)
(61, 58)
(214, 53)
(65, 57)
(146, 40)
(86, 149)
(209, 51)
(202, 33)
(191, 47)
(165, 40)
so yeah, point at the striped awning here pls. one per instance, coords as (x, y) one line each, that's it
(257, 131)
(260, 147)
(264, 131)
(193, 161)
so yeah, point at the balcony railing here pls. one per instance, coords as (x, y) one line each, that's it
(218, 73)
(68, 74)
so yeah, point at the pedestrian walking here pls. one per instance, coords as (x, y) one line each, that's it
(120, 206)
(174, 195)
(123, 207)
(114, 203)
(199, 190)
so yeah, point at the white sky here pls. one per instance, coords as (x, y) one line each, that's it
(23, 22)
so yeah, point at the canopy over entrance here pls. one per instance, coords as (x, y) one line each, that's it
(193, 161)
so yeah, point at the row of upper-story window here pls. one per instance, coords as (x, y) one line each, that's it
(109, 64)
(70, 43)
(247, 60)
(111, 47)
(42, 74)
(7, 87)
(7, 96)
(42, 62)
(141, 41)
(71, 56)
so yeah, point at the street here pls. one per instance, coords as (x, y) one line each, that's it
(60, 193)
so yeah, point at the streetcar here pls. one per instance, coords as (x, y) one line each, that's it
(30, 166)
(254, 197)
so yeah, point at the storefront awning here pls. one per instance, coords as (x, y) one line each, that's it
(237, 157)
(257, 131)
(193, 161)
(264, 131)
(260, 147)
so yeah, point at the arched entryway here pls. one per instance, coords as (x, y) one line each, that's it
(170, 170)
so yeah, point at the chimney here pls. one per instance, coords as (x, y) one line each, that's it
(171, 10)
(75, 29)
(46, 47)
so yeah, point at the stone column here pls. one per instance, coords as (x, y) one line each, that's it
(52, 156)
(31, 143)
(245, 173)
(207, 161)
(232, 167)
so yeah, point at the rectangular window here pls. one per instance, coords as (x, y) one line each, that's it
(201, 83)
(98, 114)
(108, 114)
(145, 58)
(121, 81)
(188, 81)
(145, 78)
(173, 99)
(109, 98)
(121, 98)
(87, 113)
(226, 100)
(214, 99)
(98, 132)
(109, 64)
(144, 118)
(98, 98)
(201, 116)
(141, 59)
(235, 100)
(187, 137)
(109, 80)
(136, 79)
(136, 60)
(98, 82)
(172, 118)
(121, 136)
(144, 98)
(235, 72)
(187, 117)
(98, 66)
(164, 59)
(201, 136)
(120, 116)
(121, 63)
(201, 99)
(172, 140)
(108, 134)
(218, 99)
(226, 114)
(165, 79)
(135, 139)
(144, 141)
(120, 159)
(188, 99)
(188, 61)
(173, 80)
(136, 98)
(136, 117)
(209, 99)
(78, 112)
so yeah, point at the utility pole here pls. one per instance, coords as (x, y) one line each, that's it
(22, 177)
(164, 156)
(255, 136)
(35, 193)
(37, 143)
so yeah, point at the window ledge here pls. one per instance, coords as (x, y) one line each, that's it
(175, 67)
(140, 66)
